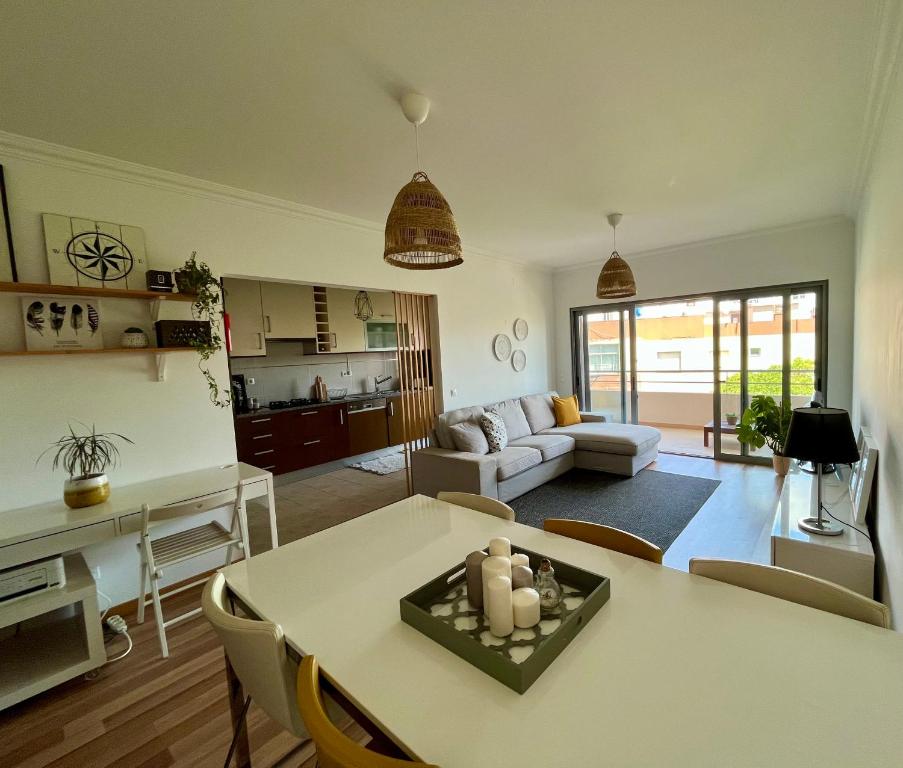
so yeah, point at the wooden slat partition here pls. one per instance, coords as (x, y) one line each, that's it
(415, 372)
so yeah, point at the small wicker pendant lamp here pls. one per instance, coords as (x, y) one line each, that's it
(420, 230)
(616, 278)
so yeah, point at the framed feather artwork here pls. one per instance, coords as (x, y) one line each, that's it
(94, 254)
(54, 323)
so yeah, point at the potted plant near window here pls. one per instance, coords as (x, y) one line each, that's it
(196, 279)
(731, 419)
(86, 458)
(766, 423)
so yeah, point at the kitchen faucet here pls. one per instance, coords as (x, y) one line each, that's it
(377, 380)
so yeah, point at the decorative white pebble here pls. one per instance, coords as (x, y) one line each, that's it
(548, 626)
(466, 623)
(487, 638)
(520, 653)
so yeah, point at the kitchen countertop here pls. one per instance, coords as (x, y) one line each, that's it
(362, 397)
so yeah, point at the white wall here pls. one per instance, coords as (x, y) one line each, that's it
(174, 427)
(811, 251)
(878, 369)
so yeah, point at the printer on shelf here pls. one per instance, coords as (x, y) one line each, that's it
(31, 578)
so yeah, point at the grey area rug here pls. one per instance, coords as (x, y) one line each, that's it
(384, 465)
(654, 505)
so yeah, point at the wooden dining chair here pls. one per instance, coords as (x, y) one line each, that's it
(795, 587)
(604, 536)
(165, 551)
(485, 504)
(334, 748)
(257, 653)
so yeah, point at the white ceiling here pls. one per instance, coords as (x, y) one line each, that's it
(696, 118)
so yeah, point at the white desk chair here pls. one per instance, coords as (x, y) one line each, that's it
(257, 653)
(165, 551)
(474, 501)
(795, 587)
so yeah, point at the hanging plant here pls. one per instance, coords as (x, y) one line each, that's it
(196, 278)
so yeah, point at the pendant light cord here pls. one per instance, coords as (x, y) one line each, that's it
(417, 143)
(614, 237)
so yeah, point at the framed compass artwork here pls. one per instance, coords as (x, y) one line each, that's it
(94, 254)
(57, 323)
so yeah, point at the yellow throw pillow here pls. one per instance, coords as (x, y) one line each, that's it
(567, 412)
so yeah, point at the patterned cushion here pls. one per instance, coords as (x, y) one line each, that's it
(493, 427)
(469, 437)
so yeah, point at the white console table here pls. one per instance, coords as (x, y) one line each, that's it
(848, 559)
(44, 530)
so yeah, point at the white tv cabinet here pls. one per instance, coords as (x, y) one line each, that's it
(848, 559)
(50, 637)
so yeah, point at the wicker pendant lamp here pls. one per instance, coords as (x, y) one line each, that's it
(616, 278)
(420, 230)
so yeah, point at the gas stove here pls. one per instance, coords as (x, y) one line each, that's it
(295, 402)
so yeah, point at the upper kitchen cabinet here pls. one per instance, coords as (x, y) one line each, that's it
(345, 330)
(383, 304)
(288, 311)
(243, 303)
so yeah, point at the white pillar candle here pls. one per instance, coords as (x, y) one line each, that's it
(521, 576)
(501, 612)
(493, 566)
(500, 547)
(525, 603)
(520, 559)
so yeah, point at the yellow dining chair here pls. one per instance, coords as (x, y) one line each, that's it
(334, 748)
(795, 587)
(604, 536)
(485, 504)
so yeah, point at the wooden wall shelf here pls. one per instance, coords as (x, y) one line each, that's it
(108, 351)
(47, 289)
(159, 352)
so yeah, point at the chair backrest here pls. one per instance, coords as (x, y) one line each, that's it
(334, 748)
(229, 498)
(257, 652)
(604, 536)
(795, 587)
(479, 503)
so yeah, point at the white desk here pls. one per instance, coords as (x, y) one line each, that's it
(42, 530)
(848, 559)
(675, 670)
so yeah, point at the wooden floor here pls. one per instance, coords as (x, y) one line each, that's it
(144, 712)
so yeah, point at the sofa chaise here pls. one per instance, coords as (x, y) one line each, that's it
(537, 450)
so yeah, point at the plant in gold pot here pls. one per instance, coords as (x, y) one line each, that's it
(86, 458)
(767, 423)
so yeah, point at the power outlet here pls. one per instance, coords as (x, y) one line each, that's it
(345, 373)
(251, 381)
(453, 392)
(95, 572)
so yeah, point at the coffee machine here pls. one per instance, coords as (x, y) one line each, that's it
(239, 393)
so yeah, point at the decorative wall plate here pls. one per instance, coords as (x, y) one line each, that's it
(519, 360)
(501, 347)
(521, 329)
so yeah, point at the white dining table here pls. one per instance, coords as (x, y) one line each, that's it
(674, 670)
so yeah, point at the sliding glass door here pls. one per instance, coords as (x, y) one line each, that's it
(691, 365)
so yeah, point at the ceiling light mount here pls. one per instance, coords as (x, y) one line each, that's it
(416, 107)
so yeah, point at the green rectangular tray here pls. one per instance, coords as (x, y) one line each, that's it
(434, 609)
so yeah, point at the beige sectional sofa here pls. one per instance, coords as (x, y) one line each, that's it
(537, 451)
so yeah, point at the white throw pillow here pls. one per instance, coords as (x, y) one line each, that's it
(493, 427)
(468, 436)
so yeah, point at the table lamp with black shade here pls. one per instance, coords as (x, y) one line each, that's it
(822, 436)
